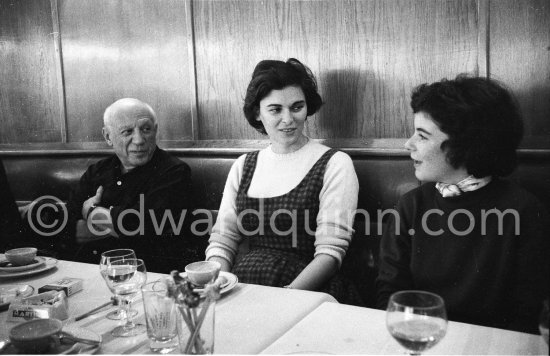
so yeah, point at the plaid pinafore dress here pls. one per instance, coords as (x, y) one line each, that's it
(281, 232)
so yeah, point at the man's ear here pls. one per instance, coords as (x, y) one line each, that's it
(107, 135)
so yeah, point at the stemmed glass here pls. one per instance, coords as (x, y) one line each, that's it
(125, 279)
(106, 258)
(416, 319)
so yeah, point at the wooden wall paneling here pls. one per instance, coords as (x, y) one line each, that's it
(520, 57)
(367, 55)
(29, 103)
(416, 42)
(126, 48)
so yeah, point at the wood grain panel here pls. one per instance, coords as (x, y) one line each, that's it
(520, 57)
(29, 104)
(126, 48)
(367, 55)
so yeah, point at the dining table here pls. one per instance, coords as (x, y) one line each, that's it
(254, 319)
(345, 329)
(248, 318)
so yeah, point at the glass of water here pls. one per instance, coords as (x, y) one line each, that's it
(125, 279)
(106, 258)
(416, 319)
(160, 316)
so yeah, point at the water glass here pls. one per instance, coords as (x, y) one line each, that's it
(106, 258)
(416, 319)
(125, 279)
(161, 317)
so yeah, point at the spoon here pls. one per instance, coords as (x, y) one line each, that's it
(221, 282)
(65, 336)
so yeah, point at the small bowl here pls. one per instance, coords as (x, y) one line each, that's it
(202, 272)
(21, 256)
(35, 336)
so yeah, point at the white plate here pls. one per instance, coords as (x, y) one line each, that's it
(232, 281)
(5, 266)
(49, 264)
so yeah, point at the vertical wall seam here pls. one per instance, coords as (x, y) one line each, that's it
(59, 71)
(191, 51)
(483, 38)
(488, 38)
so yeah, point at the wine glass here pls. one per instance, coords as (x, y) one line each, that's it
(416, 319)
(125, 277)
(106, 257)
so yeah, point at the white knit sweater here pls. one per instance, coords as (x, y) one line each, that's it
(277, 174)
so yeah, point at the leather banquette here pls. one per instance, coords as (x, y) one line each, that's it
(384, 175)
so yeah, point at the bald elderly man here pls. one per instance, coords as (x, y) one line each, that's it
(136, 198)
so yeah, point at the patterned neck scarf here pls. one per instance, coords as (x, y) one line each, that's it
(468, 184)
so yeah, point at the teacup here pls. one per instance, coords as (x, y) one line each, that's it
(36, 336)
(202, 272)
(21, 256)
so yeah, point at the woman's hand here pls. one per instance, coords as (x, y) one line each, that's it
(316, 273)
(226, 267)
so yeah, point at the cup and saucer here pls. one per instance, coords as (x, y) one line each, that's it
(22, 262)
(203, 272)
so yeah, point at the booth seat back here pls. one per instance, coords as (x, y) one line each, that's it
(382, 180)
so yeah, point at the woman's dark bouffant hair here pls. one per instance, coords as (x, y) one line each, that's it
(275, 75)
(481, 118)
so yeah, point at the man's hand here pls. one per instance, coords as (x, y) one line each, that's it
(83, 234)
(100, 222)
(98, 226)
(95, 200)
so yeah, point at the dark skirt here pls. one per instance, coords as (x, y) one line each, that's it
(275, 268)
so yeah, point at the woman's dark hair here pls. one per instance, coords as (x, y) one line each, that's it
(481, 118)
(275, 75)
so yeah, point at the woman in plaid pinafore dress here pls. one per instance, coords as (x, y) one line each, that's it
(295, 200)
(275, 258)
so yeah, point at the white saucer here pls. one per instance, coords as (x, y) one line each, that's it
(49, 264)
(5, 266)
(232, 281)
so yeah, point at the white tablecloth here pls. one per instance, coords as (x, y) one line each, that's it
(248, 318)
(343, 329)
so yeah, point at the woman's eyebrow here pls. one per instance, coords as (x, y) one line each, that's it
(423, 131)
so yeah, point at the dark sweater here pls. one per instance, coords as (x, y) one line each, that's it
(164, 183)
(486, 276)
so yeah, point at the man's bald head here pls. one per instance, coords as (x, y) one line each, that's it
(127, 107)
